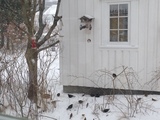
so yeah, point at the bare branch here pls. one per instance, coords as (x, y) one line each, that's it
(58, 6)
(56, 19)
(50, 45)
(24, 12)
(41, 24)
(20, 28)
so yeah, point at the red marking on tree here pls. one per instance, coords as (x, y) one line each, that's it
(34, 45)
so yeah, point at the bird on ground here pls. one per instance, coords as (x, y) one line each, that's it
(146, 94)
(70, 107)
(92, 95)
(58, 94)
(139, 99)
(80, 101)
(87, 105)
(83, 95)
(70, 96)
(105, 110)
(154, 99)
(71, 115)
(97, 95)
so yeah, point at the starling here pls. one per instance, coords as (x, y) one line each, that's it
(97, 95)
(80, 101)
(83, 95)
(105, 110)
(58, 94)
(92, 95)
(70, 116)
(139, 99)
(70, 106)
(154, 99)
(145, 94)
(87, 105)
(70, 96)
(114, 75)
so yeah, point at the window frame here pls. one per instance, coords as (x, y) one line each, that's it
(108, 16)
(133, 31)
(118, 17)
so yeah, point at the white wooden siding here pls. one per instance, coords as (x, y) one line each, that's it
(82, 59)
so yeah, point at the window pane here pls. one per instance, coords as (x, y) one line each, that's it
(123, 35)
(113, 10)
(113, 35)
(123, 23)
(113, 23)
(123, 10)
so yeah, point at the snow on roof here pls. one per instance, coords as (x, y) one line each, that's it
(51, 10)
(48, 15)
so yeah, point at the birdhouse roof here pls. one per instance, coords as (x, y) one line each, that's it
(86, 17)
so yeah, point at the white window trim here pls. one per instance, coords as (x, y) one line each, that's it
(132, 41)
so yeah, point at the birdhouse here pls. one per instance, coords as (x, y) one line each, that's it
(86, 22)
(33, 43)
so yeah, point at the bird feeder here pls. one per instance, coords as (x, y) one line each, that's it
(86, 21)
(33, 43)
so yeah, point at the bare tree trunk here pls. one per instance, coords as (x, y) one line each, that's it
(2, 39)
(31, 57)
(8, 47)
(29, 8)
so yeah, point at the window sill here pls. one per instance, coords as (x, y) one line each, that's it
(119, 47)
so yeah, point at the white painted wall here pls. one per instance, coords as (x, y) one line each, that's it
(80, 59)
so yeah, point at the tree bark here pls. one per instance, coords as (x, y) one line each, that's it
(31, 57)
(2, 40)
(8, 46)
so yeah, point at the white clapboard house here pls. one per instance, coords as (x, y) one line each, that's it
(111, 44)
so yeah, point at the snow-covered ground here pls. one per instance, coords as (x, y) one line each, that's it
(85, 107)
(121, 108)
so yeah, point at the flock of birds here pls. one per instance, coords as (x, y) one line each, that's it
(81, 102)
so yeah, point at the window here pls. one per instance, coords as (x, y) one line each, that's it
(118, 18)
(120, 23)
